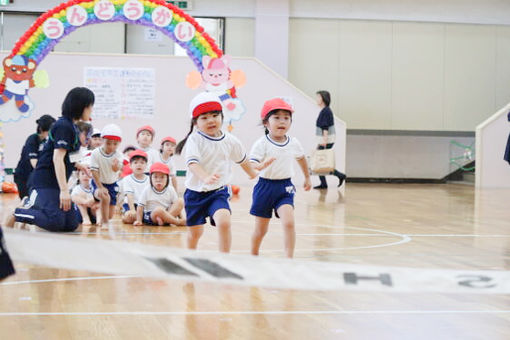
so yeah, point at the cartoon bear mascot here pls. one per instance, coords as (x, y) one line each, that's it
(16, 80)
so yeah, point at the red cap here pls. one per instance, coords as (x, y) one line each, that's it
(160, 167)
(139, 153)
(203, 103)
(275, 104)
(168, 139)
(145, 128)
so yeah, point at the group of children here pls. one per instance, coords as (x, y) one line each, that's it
(145, 183)
(142, 186)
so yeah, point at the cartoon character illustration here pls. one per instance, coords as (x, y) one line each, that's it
(18, 76)
(217, 78)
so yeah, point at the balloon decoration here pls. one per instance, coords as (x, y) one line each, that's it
(52, 26)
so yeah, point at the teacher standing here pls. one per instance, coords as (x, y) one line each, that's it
(325, 132)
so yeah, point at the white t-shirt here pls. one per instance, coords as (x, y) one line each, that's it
(152, 155)
(285, 154)
(213, 154)
(151, 199)
(131, 185)
(79, 190)
(103, 163)
(170, 163)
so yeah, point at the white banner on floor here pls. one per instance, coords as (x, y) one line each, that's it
(127, 258)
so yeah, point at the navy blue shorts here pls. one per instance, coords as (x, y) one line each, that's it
(270, 194)
(125, 207)
(43, 209)
(6, 267)
(113, 190)
(200, 205)
(147, 218)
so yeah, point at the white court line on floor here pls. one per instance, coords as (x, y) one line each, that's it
(269, 312)
(10, 283)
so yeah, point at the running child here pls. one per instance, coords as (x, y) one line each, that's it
(105, 163)
(134, 184)
(209, 153)
(274, 190)
(159, 204)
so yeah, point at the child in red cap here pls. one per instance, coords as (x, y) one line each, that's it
(134, 184)
(144, 138)
(105, 163)
(209, 153)
(159, 204)
(165, 156)
(274, 190)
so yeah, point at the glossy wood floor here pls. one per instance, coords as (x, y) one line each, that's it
(423, 226)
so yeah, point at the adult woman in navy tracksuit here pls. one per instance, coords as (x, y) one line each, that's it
(30, 154)
(49, 205)
(326, 134)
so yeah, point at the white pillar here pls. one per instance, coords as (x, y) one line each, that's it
(272, 34)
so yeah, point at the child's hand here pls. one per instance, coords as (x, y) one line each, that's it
(181, 222)
(102, 192)
(90, 202)
(308, 184)
(137, 223)
(264, 164)
(116, 164)
(212, 179)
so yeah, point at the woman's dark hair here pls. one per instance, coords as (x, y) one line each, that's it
(326, 97)
(180, 146)
(264, 121)
(44, 123)
(76, 101)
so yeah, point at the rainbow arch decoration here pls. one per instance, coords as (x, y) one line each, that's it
(19, 73)
(60, 21)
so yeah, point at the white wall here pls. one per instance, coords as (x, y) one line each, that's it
(403, 75)
(172, 102)
(492, 171)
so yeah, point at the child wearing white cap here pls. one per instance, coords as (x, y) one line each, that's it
(209, 153)
(105, 163)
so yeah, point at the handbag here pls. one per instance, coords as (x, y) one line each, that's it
(322, 161)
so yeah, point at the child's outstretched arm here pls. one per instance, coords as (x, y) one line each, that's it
(253, 169)
(198, 171)
(303, 164)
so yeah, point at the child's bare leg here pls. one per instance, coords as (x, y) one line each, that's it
(286, 213)
(158, 216)
(10, 220)
(194, 234)
(176, 209)
(222, 220)
(261, 225)
(111, 212)
(105, 209)
(84, 214)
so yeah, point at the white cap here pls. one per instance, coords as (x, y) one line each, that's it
(112, 131)
(95, 132)
(204, 102)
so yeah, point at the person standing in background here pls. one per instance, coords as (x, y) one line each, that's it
(30, 154)
(326, 134)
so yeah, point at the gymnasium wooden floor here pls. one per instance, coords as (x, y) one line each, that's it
(448, 226)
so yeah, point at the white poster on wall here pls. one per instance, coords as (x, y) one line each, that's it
(152, 34)
(122, 92)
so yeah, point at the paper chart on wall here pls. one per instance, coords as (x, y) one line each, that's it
(121, 92)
